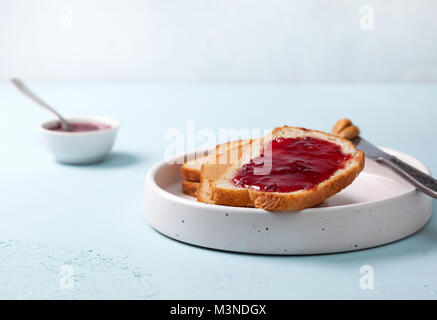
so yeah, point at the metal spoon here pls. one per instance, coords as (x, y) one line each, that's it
(26, 91)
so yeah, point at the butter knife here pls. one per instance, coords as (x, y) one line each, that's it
(420, 180)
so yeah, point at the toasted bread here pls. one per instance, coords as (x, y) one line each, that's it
(191, 169)
(210, 172)
(224, 192)
(190, 187)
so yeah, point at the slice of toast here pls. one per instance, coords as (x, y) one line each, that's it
(210, 172)
(191, 169)
(190, 187)
(224, 192)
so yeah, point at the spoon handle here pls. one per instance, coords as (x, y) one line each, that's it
(26, 91)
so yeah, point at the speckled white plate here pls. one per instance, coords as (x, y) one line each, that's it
(378, 208)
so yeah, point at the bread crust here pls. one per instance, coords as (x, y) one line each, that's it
(203, 194)
(276, 201)
(190, 174)
(190, 188)
(234, 198)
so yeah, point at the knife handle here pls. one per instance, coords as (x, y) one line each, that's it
(420, 180)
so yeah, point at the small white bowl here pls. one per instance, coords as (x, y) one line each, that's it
(81, 147)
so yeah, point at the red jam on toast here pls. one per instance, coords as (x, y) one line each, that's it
(296, 164)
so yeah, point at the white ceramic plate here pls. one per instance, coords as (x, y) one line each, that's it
(378, 208)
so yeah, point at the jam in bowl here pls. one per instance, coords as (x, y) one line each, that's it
(81, 127)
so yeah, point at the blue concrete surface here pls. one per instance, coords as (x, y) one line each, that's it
(91, 218)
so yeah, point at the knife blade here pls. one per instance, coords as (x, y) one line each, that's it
(419, 179)
(369, 149)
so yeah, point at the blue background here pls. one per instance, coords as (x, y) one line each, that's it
(92, 217)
